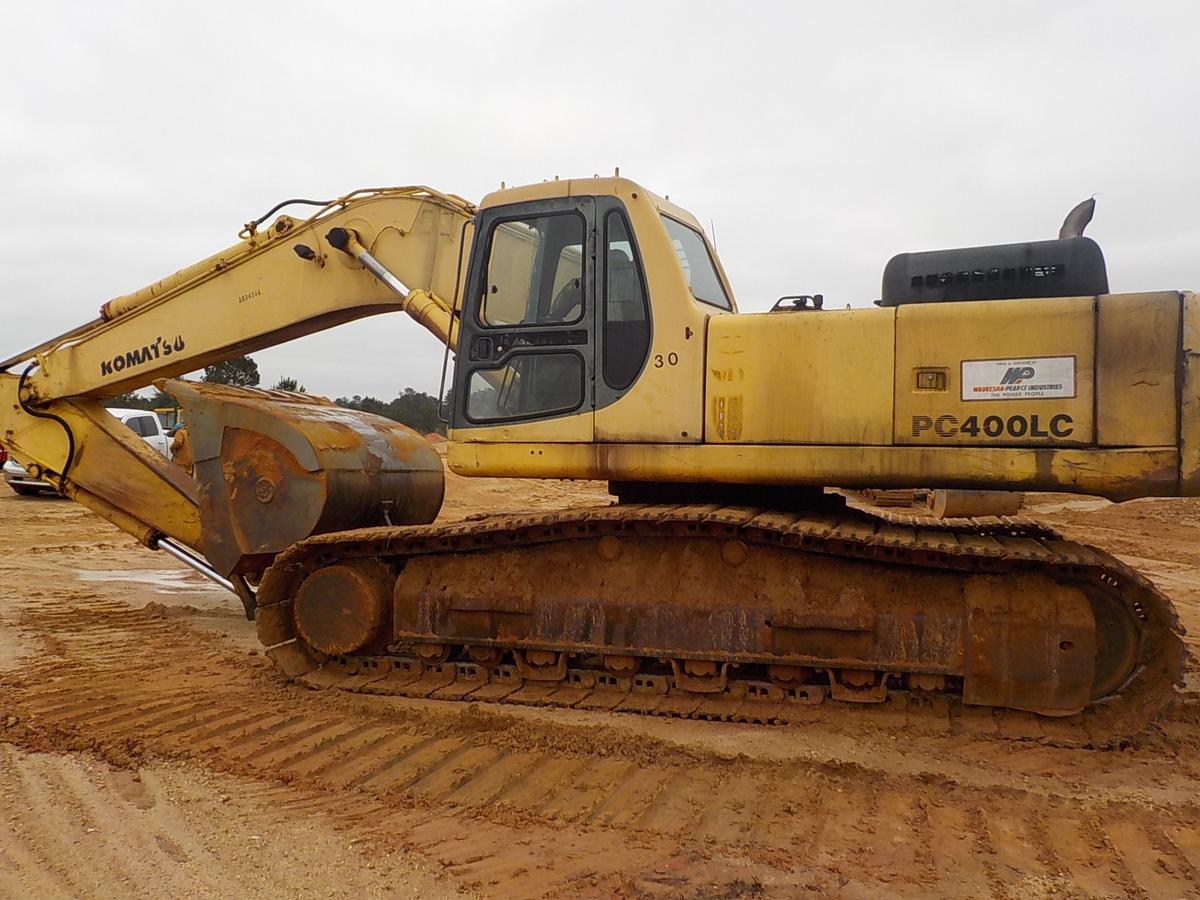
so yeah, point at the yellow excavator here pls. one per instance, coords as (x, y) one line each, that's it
(595, 336)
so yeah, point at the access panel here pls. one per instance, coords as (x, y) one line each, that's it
(1011, 374)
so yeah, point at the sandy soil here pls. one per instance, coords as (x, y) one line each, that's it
(147, 748)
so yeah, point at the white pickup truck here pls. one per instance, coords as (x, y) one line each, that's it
(141, 422)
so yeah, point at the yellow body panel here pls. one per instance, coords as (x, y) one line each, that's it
(572, 428)
(933, 394)
(954, 337)
(800, 378)
(1137, 354)
(1189, 398)
(1117, 474)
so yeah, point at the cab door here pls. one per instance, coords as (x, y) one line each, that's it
(525, 360)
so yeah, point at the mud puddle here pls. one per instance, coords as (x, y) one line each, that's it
(166, 581)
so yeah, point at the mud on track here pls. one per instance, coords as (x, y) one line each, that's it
(160, 721)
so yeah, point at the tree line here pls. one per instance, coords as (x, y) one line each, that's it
(415, 409)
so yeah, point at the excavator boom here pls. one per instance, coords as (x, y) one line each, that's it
(284, 282)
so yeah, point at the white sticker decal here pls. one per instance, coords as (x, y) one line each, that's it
(1040, 378)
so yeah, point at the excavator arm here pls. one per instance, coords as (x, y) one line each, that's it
(370, 252)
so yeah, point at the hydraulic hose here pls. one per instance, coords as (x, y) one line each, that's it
(62, 476)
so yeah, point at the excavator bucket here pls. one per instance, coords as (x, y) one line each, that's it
(275, 467)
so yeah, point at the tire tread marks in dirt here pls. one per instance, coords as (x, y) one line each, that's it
(543, 802)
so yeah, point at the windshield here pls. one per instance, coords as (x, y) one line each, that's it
(697, 264)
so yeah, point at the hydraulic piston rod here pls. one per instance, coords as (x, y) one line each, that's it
(193, 562)
(238, 587)
(426, 308)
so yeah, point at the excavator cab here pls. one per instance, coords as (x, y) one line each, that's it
(571, 303)
(556, 315)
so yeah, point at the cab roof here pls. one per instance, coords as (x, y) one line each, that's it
(612, 186)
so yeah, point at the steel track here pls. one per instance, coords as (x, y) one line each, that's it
(986, 546)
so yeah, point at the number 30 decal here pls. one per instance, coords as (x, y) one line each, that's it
(671, 360)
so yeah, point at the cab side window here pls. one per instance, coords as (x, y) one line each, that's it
(626, 316)
(697, 264)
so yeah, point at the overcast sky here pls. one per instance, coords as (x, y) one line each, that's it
(820, 139)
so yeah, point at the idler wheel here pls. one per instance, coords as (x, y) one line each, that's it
(1118, 641)
(341, 609)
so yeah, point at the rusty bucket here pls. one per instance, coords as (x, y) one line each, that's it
(275, 467)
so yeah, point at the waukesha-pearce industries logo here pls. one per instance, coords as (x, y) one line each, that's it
(160, 349)
(1016, 379)
(1018, 374)
(1038, 378)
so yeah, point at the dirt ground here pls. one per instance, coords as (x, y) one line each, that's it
(148, 749)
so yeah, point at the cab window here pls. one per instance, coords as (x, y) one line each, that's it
(697, 264)
(535, 272)
(626, 318)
